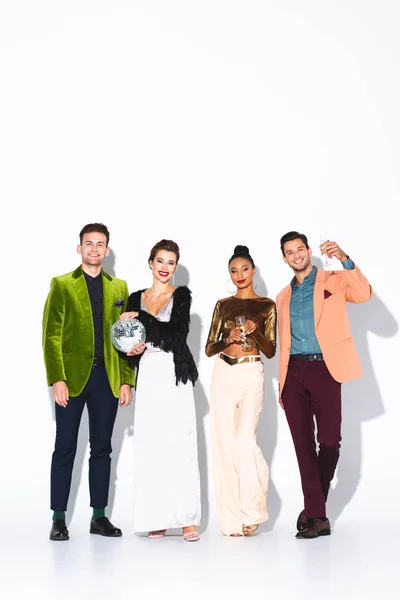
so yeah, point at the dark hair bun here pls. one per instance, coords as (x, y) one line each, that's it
(241, 250)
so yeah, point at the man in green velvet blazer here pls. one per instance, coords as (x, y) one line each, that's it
(83, 367)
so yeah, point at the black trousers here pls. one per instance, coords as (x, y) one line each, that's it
(102, 409)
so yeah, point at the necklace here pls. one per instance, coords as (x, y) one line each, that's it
(152, 296)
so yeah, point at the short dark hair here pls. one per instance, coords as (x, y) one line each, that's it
(98, 227)
(241, 252)
(168, 245)
(293, 235)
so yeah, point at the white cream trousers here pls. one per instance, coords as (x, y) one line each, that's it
(239, 469)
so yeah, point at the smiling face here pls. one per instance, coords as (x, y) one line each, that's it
(242, 272)
(297, 256)
(164, 265)
(93, 249)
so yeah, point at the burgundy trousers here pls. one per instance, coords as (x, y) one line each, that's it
(310, 391)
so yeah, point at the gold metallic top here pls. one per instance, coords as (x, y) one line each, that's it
(260, 310)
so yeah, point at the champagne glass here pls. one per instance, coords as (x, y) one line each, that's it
(323, 238)
(240, 321)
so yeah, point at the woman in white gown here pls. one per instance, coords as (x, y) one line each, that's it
(166, 472)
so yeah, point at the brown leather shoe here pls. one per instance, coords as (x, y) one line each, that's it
(302, 521)
(315, 529)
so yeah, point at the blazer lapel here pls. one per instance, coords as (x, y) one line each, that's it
(108, 296)
(286, 333)
(319, 295)
(81, 290)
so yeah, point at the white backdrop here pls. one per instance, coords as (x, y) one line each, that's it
(212, 123)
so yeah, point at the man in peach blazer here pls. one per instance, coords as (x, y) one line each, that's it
(317, 354)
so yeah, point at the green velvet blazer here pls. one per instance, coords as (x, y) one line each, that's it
(68, 332)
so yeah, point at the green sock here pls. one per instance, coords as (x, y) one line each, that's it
(98, 513)
(59, 514)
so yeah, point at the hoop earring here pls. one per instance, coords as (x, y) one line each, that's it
(229, 291)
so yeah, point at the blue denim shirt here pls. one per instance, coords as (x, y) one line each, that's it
(304, 340)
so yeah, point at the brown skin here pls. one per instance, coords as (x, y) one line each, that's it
(242, 274)
(163, 268)
(93, 251)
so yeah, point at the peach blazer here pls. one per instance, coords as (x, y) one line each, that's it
(331, 292)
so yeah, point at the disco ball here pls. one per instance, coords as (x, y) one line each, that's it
(126, 334)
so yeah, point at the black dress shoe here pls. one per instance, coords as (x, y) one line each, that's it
(316, 528)
(302, 521)
(102, 526)
(59, 531)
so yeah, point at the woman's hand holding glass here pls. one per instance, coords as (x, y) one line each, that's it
(249, 327)
(238, 334)
(235, 336)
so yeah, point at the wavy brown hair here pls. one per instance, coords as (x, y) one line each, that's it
(168, 245)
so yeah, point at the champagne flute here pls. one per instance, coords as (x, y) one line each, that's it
(323, 238)
(240, 321)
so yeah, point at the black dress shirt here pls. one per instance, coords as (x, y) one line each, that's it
(95, 289)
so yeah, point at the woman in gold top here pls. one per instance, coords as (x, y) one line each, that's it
(237, 386)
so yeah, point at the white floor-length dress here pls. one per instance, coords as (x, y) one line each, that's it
(166, 472)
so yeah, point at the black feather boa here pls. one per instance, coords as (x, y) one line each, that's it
(169, 336)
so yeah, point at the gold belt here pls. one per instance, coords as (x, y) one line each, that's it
(237, 360)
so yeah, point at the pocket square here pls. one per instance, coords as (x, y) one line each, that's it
(119, 302)
(327, 293)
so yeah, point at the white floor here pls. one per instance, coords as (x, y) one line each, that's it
(358, 561)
